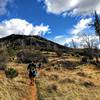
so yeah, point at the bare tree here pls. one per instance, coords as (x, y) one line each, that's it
(88, 41)
(91, 43)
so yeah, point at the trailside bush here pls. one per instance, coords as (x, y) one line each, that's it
(59, 53)
(77, 55)
(84, 59)
(90, 57)
(11, 73)
(27, 56)
(11, 51)
(24, 56)
(52, 87)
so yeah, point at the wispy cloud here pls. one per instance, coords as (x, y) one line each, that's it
(59, 36)
(19, 26)
(61, 39)
(81, 25)
(3, 6)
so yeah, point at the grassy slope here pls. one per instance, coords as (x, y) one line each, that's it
(17, 88)
(53, 84)
(79, 84)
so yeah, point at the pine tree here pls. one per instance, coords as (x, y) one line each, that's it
(97, 25)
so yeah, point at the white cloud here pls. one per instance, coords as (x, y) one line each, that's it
(81, 25)
(58, 6)
(3, 5)
(41, 30)
(75, 38)
(19, 26)
(61, 39)
(74, 6)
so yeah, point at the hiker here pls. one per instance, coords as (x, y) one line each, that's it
(32, 72)
(39, 65)
(32, 75)
(31, 65)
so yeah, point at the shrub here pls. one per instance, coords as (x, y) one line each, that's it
(77, 55)
(52, 87)
(11, 51)
(26, 56)
(87, 52)
(56, 68)
(84, 59)
(90, 57)
(69, 64)
(48, 69)
(59, 53)
(11, 73)
(73, 54)
(42, 59)
(89, 84)
(97, 64)
(54, 77)
(82, 74)
(66, 80)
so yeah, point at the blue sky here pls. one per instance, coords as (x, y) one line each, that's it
(57, 20)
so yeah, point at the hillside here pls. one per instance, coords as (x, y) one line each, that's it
(53, 82)
(64, 77)
(37, 42)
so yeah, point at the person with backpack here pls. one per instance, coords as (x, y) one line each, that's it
(39, 65)
(32, 72)
(32, 75)
(31, 65)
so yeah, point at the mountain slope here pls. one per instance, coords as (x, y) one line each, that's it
(35, 41)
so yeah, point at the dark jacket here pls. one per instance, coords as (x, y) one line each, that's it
(31, 66)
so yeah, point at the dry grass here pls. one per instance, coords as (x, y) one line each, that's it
(17, 88)
(68, 85)
(13, 89)
(53, 84)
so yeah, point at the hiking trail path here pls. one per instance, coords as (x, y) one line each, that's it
(34, 92)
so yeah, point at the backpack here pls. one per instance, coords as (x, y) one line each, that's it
(30, 66)
(34, 73)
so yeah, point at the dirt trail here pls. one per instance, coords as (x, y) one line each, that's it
(23, 73)
(33, 92)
